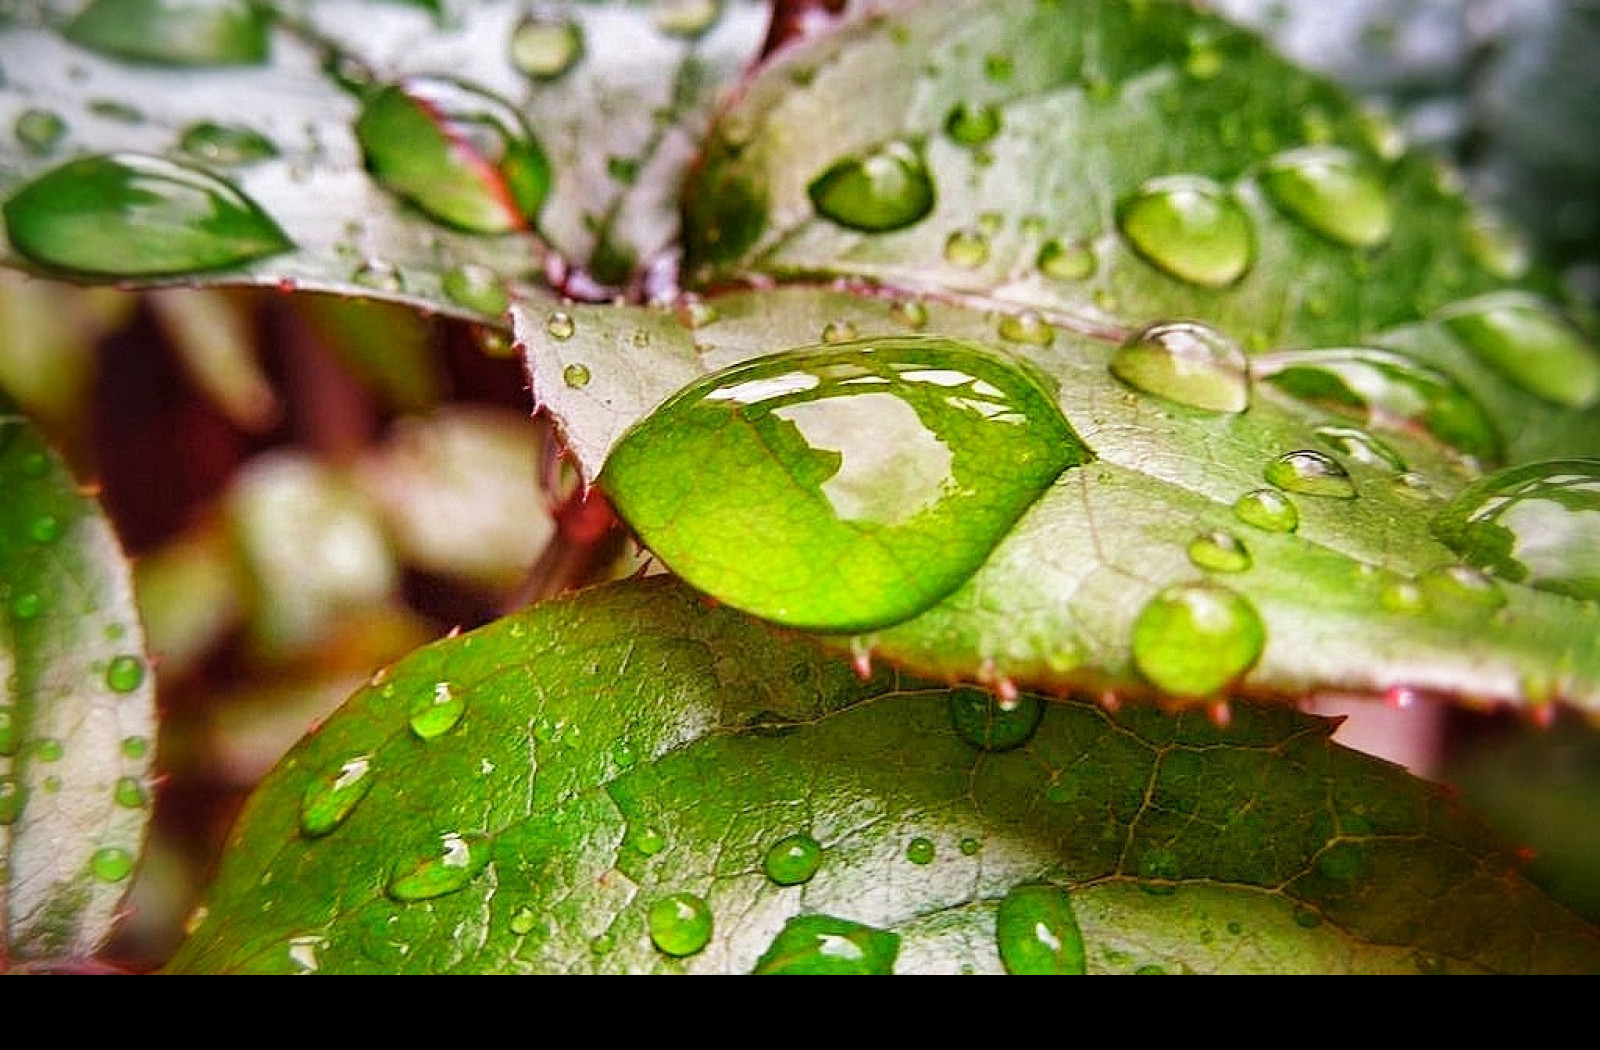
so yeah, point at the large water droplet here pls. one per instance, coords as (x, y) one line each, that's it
(1332, 191)
(972, 125)
(1194, 639)
(436, 713)
(1529, 343)
(1538, 524)
(1188, 363)
(187, 33)
(825, 945)
(132, 215)
(1191, 228)
(124, 674)
(680, 924)
(886, 190)
(1386, 389)
(1219, 551)
(545, 47)
(982, 721)
(460, 154)
(793, 859)
(328, 799)
(1310, 473)
(226, 144)
(111, 864)
(458, 860)
(854, 462)
(920, 850)
(1037, 932)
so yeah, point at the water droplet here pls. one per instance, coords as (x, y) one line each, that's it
(135, 747)
(476, 288)
(1497, 246)
(1191, 228)
(1332, 191)
(111, 864)
(27, 606)
(839, 332)
(1387, 389)
(698, 313)
(523, 921)
(130, 793)
(649, 841)
(998, 67)
(972, 125)
(686, 18)
(379, 274)
(1455, 588)
(1066, 260)
(39, 130)
(191, 33)
(680, 924)
(1219, 551)
(124, 674)
(1187, 363)
(10, 731)
(851, 455)
(48, 749)
(1037, 932)
(460, 154)
(328, 799)
(12, 796)
(1529, 343)
(920, 850)
(226, 144)
(132, 215)
(576, 375)
(1195, 639)
(1538, 524)
(793, 859)
(458, 860)
(910, 312)
(825, 945)
(882, 191)
(1362, 447)
(46, 528)
(1310, 474)
(1026, 327)
(436, 713)
(545, 47)
(982, 721)
(970, 847)
(967, 248)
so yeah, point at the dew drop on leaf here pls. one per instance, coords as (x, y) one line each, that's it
(1026, 327)
(984, 722)
(1187, 363)
(1538, 524)
(545, 47)
(458, 859)
(889, 189)
(1456, 588)
(793, 859)
(12, 796)
(920, 850)
(1267, 509)
(1036, 931)
(229, 145)
(1530, 344)
(576, 375)
(130, 793)
(124, 674)
(435, 713)
(127, 214)
(1332, 191)
(1310, 473)
(826, 945)
(648, 841)
(559, 325)
(1191, 228)
(457, 152)
(686, 18)
(967, 248)
(1194, 639)
(1066, 260)
(328, 799)
(475, 287)
(111, 864)
(1361, 447)
(854, 461)
(970, 125)
(39, 130)
(680, 924)
(1219, 551)
(839, 332)
(10, 732)
(190, 33)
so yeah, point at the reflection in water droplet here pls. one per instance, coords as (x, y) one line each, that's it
(328, 799)
(1387, 389)
(920, 850)
(1026, 327)
(1036, 931)
(1311, 474)
(1219, 551)
(1187, 363)
(460, 154)
(1195, 639)
(1538, 524)
(1066, 260)
(190, 33)
(559, 325)
(111, 864)
(226, 144)
(124, 674)
(1191, 228)
(680, 924)
(545, 47)
(1332, 191)
(1362, 447)
(38, 130)
(882, 191)
(436, 713)
(458, 859)
(476, 288)
(1529, 343)
(967, 248)
(972, 125)
(984, 722)
(132, 215)
(793, 859)
(825, 945)
(850, 455)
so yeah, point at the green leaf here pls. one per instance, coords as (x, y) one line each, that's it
(536, 830)
(77, 713)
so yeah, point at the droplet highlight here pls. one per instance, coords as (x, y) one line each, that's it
(1191, 228)
(889, 189)
(1332, 191)
(1187, 363)
(1196, 639)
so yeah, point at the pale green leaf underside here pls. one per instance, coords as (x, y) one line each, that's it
(77, 712)
(718, 739)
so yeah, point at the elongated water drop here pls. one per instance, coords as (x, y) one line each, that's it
(981, 720)
(889, 189)
(1332, 191)
(1361, 447)
(127, 214)
(328, 799)
(226, 144)
(1195, 639)
(456, 861)
(1037, 932)
(1188, 363)
(545, 47)
(680, 924)
(1529, 343)
(1191, 228)
(38, 130)
(826, 945)
(1267, 509)
(457, 152)
(1310, 473)
(435, 713)
(1537, 524)
(168, 32)
(793, 859)
(867, 469)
